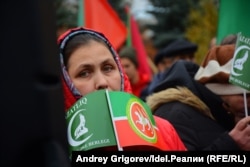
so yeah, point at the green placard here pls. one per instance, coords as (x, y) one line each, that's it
(89, 123)
(240, 71)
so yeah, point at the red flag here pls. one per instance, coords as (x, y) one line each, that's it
(137, 43)
(100, 16)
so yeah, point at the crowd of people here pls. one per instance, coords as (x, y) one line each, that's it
(194, 106)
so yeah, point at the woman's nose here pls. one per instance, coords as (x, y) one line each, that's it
(101, 82)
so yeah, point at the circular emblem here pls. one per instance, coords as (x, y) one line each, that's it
(140, 121)
(239, 61)
(76, 129)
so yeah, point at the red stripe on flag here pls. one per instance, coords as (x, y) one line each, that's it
(128, 137)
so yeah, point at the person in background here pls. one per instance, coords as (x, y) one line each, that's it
(179, 49)
(89, 63)
(229, 39)
(130, 65)
(159, 61)
(212, 42)
(206, 110)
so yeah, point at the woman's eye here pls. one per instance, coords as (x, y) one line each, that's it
(108, 68)
(84, 74)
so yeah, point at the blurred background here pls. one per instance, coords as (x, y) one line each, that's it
(159, 21)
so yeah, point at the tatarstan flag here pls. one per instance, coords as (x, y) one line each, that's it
(134, 124)
(100, 16)
(104, 119)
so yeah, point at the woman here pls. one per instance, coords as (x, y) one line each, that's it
(89, 63)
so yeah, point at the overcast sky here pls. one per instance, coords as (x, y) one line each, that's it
(139, 9)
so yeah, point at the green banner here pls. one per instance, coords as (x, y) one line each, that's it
(241, 63)
(89, 123)
(233, 18)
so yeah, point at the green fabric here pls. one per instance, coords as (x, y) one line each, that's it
(129, 39)
(80, 18)
(233, 18)
(241, 64)
(127, 99)
(89, 123)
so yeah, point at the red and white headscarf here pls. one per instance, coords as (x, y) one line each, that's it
(71, 94)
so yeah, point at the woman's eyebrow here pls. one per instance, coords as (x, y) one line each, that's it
(82, 66)
(107, 60)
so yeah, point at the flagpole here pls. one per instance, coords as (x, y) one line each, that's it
(80, 16)
(128, 41)
(245, 102)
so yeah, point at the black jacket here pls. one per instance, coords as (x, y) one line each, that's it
(195, 111)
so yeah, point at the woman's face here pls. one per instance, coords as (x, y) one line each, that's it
(235, 105)
(92, 67)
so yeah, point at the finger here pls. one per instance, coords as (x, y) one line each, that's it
(243, 123)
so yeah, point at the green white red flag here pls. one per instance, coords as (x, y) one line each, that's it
(133, 122)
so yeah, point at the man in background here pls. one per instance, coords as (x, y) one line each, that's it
(179, 49)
